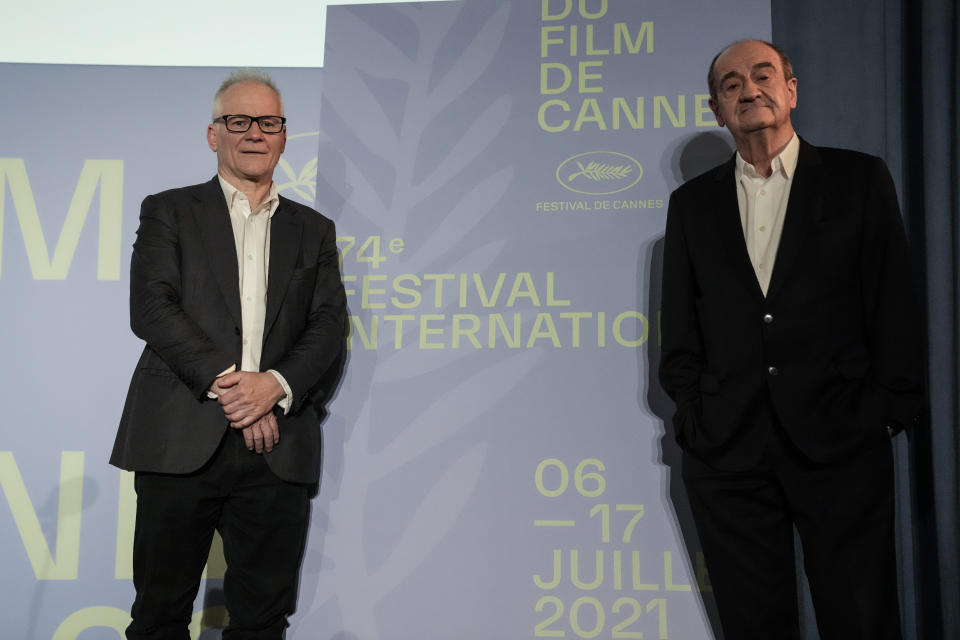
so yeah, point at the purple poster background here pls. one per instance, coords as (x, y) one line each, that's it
(496, 459)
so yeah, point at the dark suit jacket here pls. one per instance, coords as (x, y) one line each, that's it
(185, 303)
(833, 350)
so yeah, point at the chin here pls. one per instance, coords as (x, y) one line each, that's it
(254, 168)
(752, 127)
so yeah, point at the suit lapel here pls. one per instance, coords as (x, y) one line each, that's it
(803, 208)
(213, 220)
(729, 228)
(285, 232)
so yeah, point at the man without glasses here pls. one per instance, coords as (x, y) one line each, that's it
(792, 349)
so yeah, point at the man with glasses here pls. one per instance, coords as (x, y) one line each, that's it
(237, 293)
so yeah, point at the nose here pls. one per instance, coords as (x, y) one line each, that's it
(750, 90)
(254, 132)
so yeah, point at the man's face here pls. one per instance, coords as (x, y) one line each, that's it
(252, 155)
(752, 93)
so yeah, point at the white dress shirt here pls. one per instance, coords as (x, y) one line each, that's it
(763, 206)
(251, 233)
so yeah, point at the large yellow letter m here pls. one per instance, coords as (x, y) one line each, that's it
(109, 175)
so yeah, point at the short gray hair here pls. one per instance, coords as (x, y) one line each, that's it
(244, 75)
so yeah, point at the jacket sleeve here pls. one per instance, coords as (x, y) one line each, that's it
(681, 346)
(891, 314)
(156, 310)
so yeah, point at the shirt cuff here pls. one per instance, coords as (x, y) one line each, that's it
(284, 402)
(211, 394)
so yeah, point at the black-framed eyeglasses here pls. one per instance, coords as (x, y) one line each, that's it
(240, 123)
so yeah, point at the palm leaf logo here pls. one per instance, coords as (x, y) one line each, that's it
(304, 183)
(598, 171)
(387, 188)
(604, 172)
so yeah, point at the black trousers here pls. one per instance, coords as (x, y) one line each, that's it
(263, 522)
(844, 514)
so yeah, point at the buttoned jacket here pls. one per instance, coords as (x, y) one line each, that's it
(833, 351)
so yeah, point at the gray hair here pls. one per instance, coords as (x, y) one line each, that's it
(244, 75)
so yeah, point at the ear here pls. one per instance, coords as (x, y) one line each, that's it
(716, 111)
(212, 136)
(283, 140)
(792, 91)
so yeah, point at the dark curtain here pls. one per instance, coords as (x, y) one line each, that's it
(884, 77)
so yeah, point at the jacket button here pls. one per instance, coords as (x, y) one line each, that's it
(773, 371)
(767, 318)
